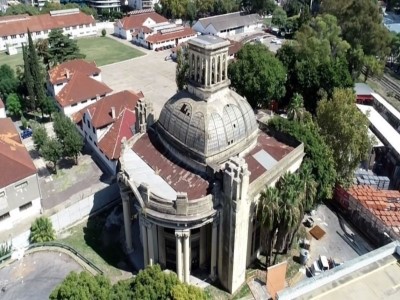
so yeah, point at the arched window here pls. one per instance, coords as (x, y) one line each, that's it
(218, 68)
(198, 68)
(224, 75)
(192, 68)
(212, 70)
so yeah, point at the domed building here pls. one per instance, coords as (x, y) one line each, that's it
(195, 174)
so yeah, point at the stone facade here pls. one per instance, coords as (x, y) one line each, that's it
(197, 207)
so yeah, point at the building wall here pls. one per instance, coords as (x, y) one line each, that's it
(71, 109)
(19, 39)
(171, 42)
(108, 5)
(19, 200)
(3, 113)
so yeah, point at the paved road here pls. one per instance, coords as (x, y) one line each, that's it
(150, 74)
(35, 276)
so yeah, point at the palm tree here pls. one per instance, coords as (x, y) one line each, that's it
(309, 184)
(268, 215)
(42, 231)
(296, 109)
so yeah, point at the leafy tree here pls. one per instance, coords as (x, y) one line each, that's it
(103, 32)
(257, 75)
(52, 151)
(187, 292)
(182, 68)
(269, 216)
(48, 106)
(42, 231)
(29, 82)
(345, 130)
(68, 136)
(296, 108)
(319, 155)
(42, 48)
(354, 16)
(174, 8)
(279, 17)
(82, 286)
(21, 9)
(39, 136)
(263, 6)
(373, 66)
(14, 106)
(8, 81)
(62, 48)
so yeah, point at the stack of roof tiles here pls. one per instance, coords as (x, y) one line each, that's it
(384, 204)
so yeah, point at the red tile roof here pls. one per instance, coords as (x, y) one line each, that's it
(21, 24)
(384, 204)
(272, 146)
(15, 161)
(60, 73)
(138, 20)
(179, 33)
(81, 87)
(110, 144)
(234, 47)
(1, 103)
(169, 168)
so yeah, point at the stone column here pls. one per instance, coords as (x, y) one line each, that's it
(203, 246)
(220, 68)
(161, 247)
(226, 66)
(206, 73)
(214, 248)
(127, 222)
(186, 254)
(143, 230)
(215, 69)
(150, 243)
(178, 237)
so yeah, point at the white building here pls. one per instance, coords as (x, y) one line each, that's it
(19, 186)
(228, 24)
(2, 109)
(105, 5)
(151, 30)
(13, 29)
(106, 122)
(76, 84)
(142, 4)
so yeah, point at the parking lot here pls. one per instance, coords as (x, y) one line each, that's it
(150, 74)
(35, 276)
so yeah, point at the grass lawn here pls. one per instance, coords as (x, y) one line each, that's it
(12, 60)
(86, 239)
(104, 50)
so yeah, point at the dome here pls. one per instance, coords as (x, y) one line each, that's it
(208, 131)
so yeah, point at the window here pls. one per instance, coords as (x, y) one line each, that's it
(94, 130)
(21, 185)
(22, 35)
(84, 118)
(88, 124)
(84, 101)
(5, 216)
(93, 99)
(46, 31)
(67, 28)
(95, 74)
(25, 206)
(80, 26)
(2, 194)
(37, 33)
(75, 104)
(58, 84)
(73, 27)
(13, 36)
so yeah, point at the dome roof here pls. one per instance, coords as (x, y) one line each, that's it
(219, 127)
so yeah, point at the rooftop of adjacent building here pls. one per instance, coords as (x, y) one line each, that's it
(62, 72)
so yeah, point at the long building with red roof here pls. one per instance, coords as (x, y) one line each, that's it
(151, 30)
(14, 29)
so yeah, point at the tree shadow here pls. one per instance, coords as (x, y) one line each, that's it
(104, 233)
(66, 163)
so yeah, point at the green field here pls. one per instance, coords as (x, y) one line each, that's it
(102, 50)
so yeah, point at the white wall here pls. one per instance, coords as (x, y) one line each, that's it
(17, 40)
(2, 113)
(69, 110)
(17, 216)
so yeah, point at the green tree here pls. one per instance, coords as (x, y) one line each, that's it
(28, 81)
(5, 249)
(296, 108)
(345, 130)
(318, 154)
(185, 291)
(310, 185)
(268, 215)
(257, 75)
(21, 9)
(68, 136)
(279, 17)
(82, 286)
(48, 106)
(13, 105)
(103, 32)
(62, 48)
(373, 67)
(52, 151)
(39, 136)
(42, 231)
(42, 48)
(182, 68)
(8, 81)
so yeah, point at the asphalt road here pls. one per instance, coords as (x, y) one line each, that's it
(35, 276)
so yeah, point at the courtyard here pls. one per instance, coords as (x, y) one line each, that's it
(35, 276)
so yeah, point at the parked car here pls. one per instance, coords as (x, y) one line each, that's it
(26, 133)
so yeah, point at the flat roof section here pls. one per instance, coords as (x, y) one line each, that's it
(391, 136)
(362, 89)
(387, 105)
(379, 280)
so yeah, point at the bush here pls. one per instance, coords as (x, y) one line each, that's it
(5, 249)
(103, 32)
(42, 231)
(24, 123)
